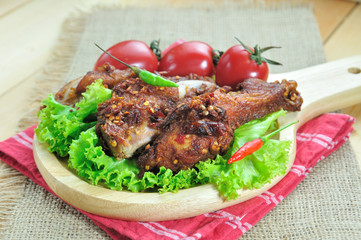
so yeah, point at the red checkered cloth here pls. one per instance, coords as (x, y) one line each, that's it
(316, 140)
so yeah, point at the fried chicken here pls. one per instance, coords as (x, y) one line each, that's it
(133, 116)
(71, 92)
(176, 127)
(202, 127)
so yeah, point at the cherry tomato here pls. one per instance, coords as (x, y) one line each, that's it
(241, 62)
(176, 43)
(236, 65)
(132, 52)
(186, 58)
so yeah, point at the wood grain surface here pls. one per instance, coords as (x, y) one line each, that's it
(324, 88)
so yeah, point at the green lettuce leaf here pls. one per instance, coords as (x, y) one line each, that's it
(87, 157)
(254, 170)
(70, 131)
(96, 93)
(60, 124)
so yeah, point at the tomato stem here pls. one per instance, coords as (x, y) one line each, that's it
(216, 55)
(256, 54)
(154, 45)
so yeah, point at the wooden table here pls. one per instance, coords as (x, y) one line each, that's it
(30, 28)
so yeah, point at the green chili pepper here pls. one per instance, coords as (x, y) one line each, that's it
(155, 80)
(144, 75)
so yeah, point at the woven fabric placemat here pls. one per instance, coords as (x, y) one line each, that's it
(326, 205)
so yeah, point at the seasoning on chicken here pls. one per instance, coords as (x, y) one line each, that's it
(202, 127)
(133, 115)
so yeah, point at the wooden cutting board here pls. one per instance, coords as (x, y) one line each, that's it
(326, 87)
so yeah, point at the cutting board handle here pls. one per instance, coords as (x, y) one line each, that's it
(327, 87)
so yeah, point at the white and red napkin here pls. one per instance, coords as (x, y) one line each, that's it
(316, 140)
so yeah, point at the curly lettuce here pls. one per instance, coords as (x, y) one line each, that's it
(87, 157)
(60, 124)
(70, 132)
(254, 170)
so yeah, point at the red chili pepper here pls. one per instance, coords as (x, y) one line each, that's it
(247, 149)
(250, 147)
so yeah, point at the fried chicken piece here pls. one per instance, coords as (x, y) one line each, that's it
(132, 117)
(108, 73)
(202, 127)
(67, 94)
(71, 92)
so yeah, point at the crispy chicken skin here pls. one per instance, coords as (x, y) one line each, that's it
(202, 127)
(133, 115)
(130, 119)
(108, 73)
(176, 127)
(71, 92)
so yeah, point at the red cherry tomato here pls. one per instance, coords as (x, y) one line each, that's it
(236, 65)
(132, 52)
(186, 58)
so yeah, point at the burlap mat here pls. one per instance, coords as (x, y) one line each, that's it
(326, 205)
